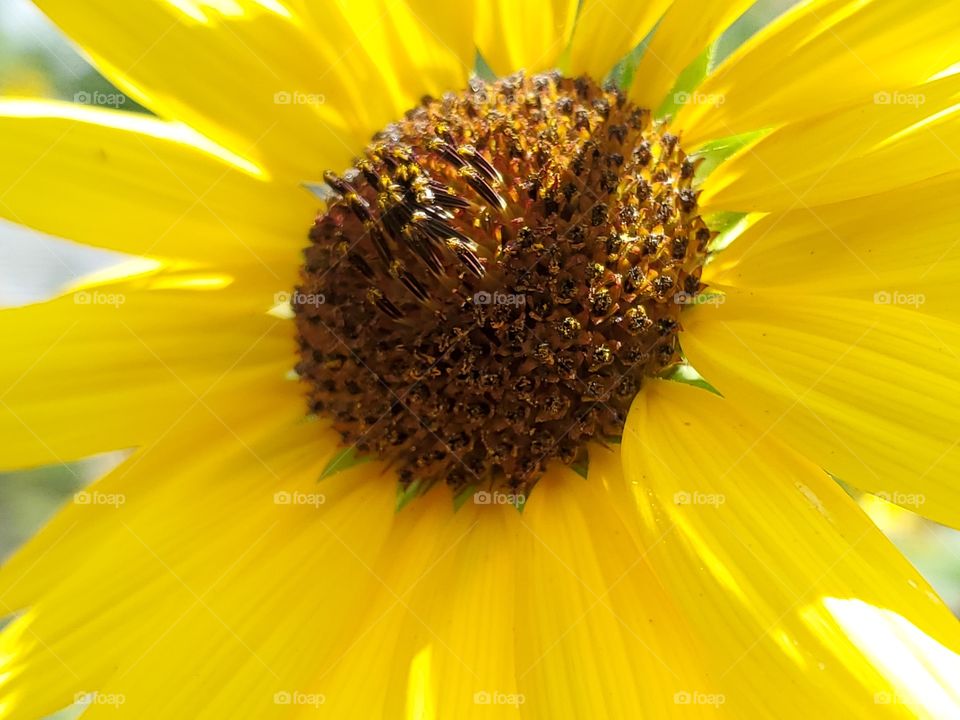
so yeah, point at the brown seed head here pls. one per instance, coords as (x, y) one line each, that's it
(500, 271)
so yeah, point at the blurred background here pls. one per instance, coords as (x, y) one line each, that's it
(37, 61)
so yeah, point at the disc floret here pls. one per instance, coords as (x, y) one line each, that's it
(501, 269)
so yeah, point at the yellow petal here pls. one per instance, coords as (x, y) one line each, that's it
(132, 183)
(607, 30)
(253, 600)
(437, 638)
(596, 635)
(256, 76)
(504, 620)
(528, 35)
(866, 390)
(254, 607)
(225, 568)
(423, 47)
(862, 46)
(685, 30)
(781, 571)
(868, 148)
(113, 366)
(897, 247)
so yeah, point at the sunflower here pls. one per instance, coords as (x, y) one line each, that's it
(547, 419)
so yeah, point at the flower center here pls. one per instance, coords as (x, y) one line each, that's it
(498, 273)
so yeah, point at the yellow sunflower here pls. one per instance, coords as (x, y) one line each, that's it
(574, 362)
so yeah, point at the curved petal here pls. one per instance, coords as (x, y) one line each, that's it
(780, 570)
(686, 29)
(424, 47)
(114, 366)
(222, 568)
(607, 30)
(867, 390)
(898, 247)
(528, 35)
(863, 46)
(869, 148)
(596, 634)
(142, 186)
(504, 619)
(220, 574)
(436, 639)
(257, 76)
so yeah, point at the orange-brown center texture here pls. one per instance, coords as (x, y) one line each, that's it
(493, 279)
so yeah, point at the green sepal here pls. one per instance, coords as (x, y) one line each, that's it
(343, 460)
(408, 493)
(460, 498)
(687, 82)
(687, 374)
